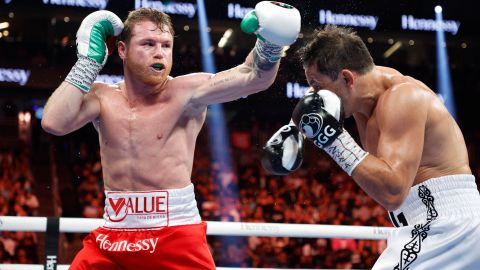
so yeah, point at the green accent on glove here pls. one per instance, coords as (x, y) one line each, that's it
(249, 23)
(81, 87)
(97, 48)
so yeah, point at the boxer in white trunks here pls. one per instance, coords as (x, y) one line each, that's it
(416, 166)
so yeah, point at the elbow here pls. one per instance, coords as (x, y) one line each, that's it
(393, 200)
(392, 204)
(267, 83)
(50, 127)
(262, 85)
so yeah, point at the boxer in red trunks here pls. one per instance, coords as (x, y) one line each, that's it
(148, 125)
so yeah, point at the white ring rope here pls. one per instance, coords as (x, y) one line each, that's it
(85, 225)
(65, 267)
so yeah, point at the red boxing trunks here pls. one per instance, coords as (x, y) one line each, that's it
(148, 230)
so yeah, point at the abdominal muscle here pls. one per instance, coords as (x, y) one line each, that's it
(147, 148)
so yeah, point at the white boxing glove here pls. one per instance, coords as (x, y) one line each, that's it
(92, 51)
(275, 24)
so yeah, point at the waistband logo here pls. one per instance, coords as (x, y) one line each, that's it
(119, 207)
(148, 244)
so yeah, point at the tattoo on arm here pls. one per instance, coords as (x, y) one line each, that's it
(222, 81)
(244, 69)
(262, 63)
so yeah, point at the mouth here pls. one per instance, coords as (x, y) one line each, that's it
(158, 66)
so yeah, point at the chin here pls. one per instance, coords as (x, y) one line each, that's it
(156, 80)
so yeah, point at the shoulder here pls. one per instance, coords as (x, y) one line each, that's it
(190, 81)
(100, 88)
(405, 94)
(402, 102)
(184, 87)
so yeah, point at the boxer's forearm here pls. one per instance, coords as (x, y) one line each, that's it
(232, 84)
(261, 71)
(386, 185)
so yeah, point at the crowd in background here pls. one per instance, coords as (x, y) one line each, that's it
(318, 193)
(17, 199)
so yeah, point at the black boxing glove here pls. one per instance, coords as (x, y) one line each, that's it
(283, 152)
(319, 116)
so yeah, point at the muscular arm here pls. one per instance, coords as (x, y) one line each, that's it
(254, 75)
(388, 174)
(68, 109)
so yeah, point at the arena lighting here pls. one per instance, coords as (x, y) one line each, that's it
(392, 49)
(4, 25)
(223, 41)
(218, 135)
(24, 118)
(444, 82)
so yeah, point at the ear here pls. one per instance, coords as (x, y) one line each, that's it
(122, 49)
(348, 77)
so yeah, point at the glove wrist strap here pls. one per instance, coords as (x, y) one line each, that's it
(83, 73)
(268, 51)
(346, 152)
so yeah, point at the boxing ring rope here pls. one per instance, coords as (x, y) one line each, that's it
(85, 225)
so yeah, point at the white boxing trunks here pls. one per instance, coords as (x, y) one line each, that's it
(438, 227)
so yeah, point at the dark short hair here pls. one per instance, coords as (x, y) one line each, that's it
(334, 48)
(144, 14)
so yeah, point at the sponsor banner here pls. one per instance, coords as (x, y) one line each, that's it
(296, 90)
(44, 78)
(15, 75)
(345, 19)
(109, 79)
(97, 4)
(169, 7)
(409, 22)
(237, 11)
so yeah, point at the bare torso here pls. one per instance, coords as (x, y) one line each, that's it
(444, 150)
(147, 146)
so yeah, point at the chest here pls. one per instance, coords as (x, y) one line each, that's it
(120, 121)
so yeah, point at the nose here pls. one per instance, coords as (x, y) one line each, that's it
(159, 52)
